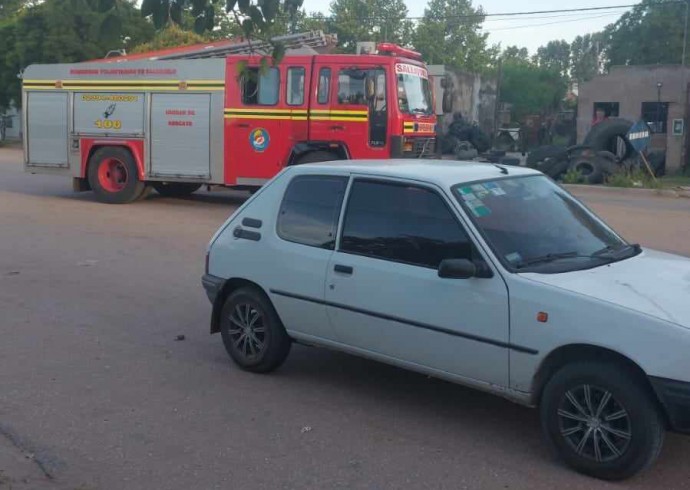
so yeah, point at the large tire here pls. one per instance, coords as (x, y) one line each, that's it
(556, 168)
(611, 135)
(591, 170)
(252, 332)
(542, 153)
(602, 420)
(316, 157)
(175, 189)
(113, 176)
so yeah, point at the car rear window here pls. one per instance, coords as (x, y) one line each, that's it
(402, 223)
(310, 210)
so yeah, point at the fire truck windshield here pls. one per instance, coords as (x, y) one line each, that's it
(414, 95)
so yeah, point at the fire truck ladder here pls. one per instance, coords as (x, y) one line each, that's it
(292, 42)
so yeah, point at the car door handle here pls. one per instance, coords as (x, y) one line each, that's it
(343, 269)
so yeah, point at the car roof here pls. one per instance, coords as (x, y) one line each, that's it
(444, 173)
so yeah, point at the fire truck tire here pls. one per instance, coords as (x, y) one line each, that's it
(175, 189)
(317, 156)
(113, 176)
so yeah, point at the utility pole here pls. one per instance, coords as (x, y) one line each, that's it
(685, 31)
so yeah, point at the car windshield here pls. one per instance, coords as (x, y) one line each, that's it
(535, 226)
(414, 94)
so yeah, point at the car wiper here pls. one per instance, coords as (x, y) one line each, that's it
(543, 259)
(615, 252)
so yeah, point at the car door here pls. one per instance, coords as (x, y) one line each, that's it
(384, 294)
(306, 229)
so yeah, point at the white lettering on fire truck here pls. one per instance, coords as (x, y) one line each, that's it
(406, 69)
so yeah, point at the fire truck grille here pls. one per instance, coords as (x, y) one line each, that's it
(423, 148)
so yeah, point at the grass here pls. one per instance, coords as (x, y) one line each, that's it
(638, 178)
(572, 176)
(676, 181)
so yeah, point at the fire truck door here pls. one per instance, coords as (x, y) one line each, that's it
(254, 146)
(350, 106)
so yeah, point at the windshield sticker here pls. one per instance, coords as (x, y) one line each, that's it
(514, 258)
(495, 189)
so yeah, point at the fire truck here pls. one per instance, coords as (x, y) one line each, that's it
(176, 121)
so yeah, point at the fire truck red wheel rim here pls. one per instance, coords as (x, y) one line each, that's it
(112, 175)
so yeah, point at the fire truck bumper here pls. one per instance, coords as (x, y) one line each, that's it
(413, 147)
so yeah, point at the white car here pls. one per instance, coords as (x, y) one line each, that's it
(493, 277)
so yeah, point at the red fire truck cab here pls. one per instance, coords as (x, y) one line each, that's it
(121, 128)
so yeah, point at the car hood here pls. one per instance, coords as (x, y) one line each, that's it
(653, 283)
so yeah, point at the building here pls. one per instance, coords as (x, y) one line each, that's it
(657, 94)
(473, 95)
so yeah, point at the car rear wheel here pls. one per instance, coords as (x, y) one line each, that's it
(601, 420)
(252, 332)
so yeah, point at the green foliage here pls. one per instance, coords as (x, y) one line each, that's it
(531, 89)
(651, 33)
(638, 177)
(170, 37)
(555, 56)
(450, 34)
(65, 31)
(10, 8)
(369, 20)
(585, 56)
(572, 176)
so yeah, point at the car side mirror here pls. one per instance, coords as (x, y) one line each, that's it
(457, 269)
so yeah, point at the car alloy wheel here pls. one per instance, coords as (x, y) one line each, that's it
(594, 424)
(247, 331)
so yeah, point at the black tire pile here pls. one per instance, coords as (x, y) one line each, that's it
(464, 140)
(604, 152)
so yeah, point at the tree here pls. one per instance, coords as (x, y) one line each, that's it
(450, 34)
(9, 8)
(170, 37)
(369, 20)
(66, 31)
(555, 56)
(651, 33)
(585, 56)
(256, 18)
(530, 88)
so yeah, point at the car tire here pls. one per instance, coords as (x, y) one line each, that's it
(175, 189)
(114, 176)
(252, 332)
(628, 429)
(590, 169)
(538, 155)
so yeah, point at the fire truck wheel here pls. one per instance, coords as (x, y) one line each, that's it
(317, 156)
(175, 189)
(113, 176)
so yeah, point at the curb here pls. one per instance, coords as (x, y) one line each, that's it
(677, 192)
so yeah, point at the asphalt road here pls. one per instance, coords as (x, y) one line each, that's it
(96, 393)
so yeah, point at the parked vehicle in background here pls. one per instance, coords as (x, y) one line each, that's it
(485, 275)
(121, 127)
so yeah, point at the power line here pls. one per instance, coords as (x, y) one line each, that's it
(591, 17)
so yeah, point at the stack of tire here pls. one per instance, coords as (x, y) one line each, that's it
(605, 151)
(464, 140)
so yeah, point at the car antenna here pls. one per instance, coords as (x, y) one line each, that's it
(503, 170)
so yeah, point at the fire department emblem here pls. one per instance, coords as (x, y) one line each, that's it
(259, 139)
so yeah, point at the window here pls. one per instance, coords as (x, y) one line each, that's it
(402, 223)
(295, 86)
(324, 89)
(606, 109)
(655, 114)
(310, 210)
(351, 87)
(260, 88)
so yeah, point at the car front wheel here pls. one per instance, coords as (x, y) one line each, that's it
(252, 332)
(602, 420)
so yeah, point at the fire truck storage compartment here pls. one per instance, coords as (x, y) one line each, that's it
(180, 135)
(109, 113)
(47, 123)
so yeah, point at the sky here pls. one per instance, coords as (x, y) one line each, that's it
(526, 31)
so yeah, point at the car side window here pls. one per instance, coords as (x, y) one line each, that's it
(310, 210)
(402, 223)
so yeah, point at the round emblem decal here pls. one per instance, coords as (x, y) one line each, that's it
(259, 139)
